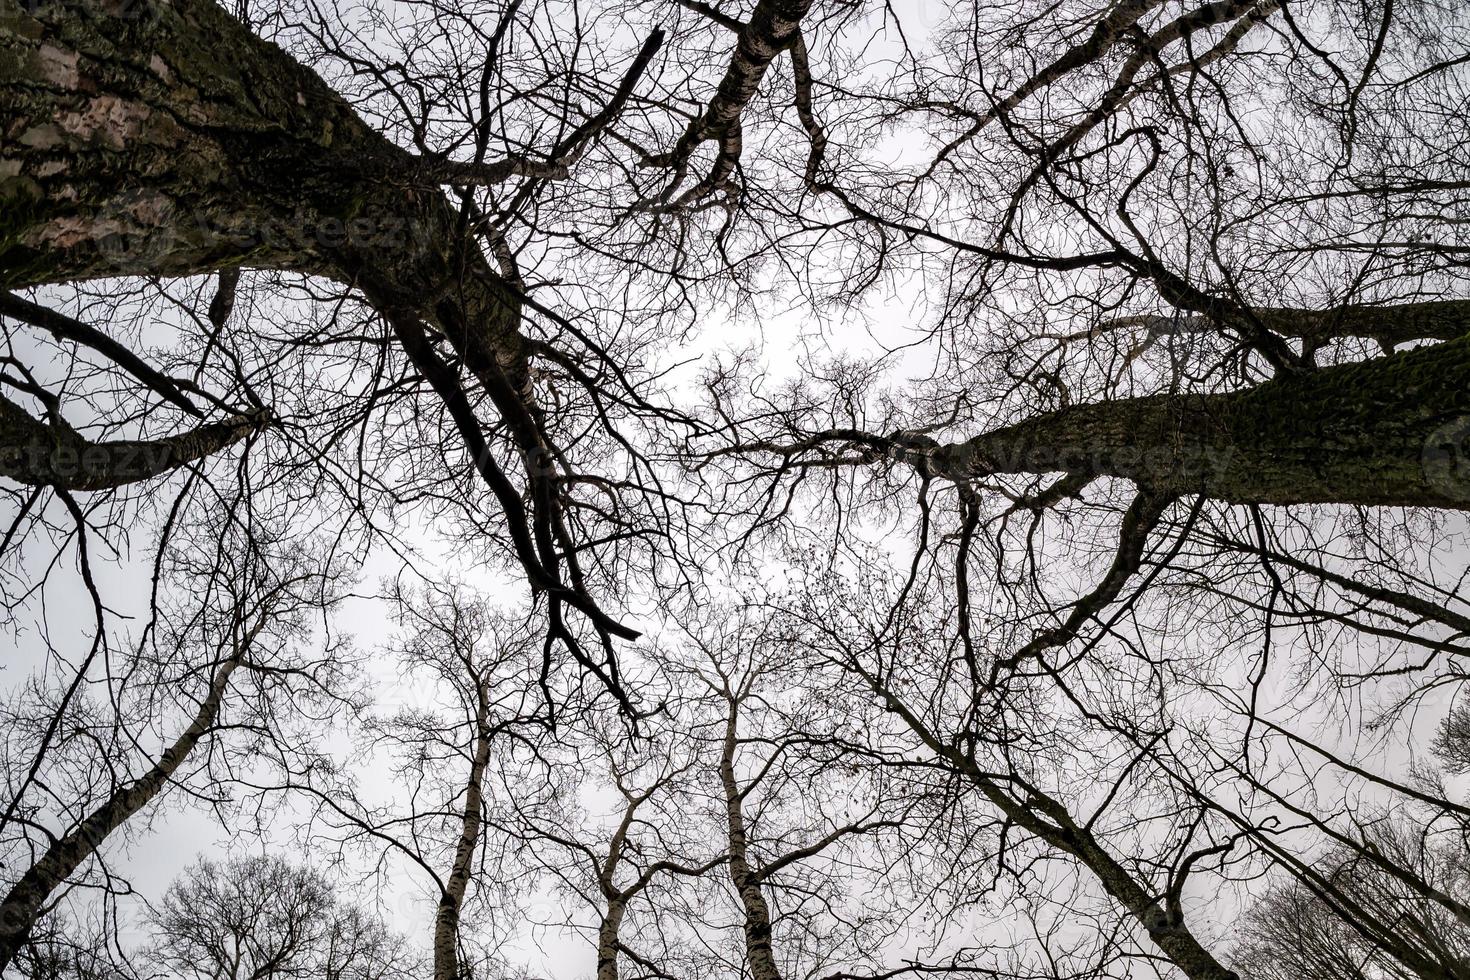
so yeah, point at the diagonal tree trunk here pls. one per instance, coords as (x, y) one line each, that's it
(1047, 819)
(165, 139)
(23, 903)
(773, 27)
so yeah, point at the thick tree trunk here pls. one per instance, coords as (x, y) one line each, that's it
(163, 138)
(1390, 431)
(451, 900)
(153, 138)
(759, 956)
(1390, 325)
(23, 903)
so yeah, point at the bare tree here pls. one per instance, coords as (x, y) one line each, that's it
(59, 949)
(1354, 919)
(264, 917)
(89, 771)
(475, 725)
(1168, 454)
(804, 825)
(623, 868)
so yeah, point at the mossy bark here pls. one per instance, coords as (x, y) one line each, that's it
(161, 137)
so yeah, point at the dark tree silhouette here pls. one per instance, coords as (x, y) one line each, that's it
(1167, 451)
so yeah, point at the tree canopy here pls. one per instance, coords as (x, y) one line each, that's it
(768, 488)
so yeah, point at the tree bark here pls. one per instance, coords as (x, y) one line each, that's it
(151, 138)
(607, 940)
(38, 454)
(1390, 325)
(758, 953)
(1385, 432)
(163, 138)
(451, 900)
(23, 903)
(772, 27)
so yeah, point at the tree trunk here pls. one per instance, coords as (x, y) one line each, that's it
(758, 953)
(38, 454)
(772, 27)
(22, 905)
(607, 940)
(451, 900)
(152, 138)
(1049, 821)
(163, 138)
(1389, 431)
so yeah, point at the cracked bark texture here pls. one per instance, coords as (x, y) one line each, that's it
(153, 138)
(145, 137)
